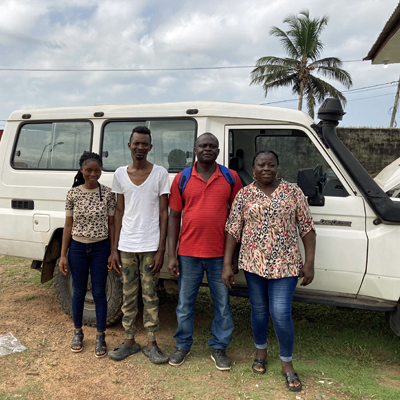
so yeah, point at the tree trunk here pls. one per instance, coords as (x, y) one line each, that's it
(301, 96)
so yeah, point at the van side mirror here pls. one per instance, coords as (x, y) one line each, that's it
(308, 184)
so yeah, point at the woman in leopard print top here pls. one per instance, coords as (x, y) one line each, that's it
(88, 236)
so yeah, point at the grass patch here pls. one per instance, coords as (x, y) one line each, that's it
(13, 269)
(24, 393)
(343, 351)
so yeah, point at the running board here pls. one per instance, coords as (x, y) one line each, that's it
(338, 301)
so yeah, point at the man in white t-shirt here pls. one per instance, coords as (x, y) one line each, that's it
(142, 190)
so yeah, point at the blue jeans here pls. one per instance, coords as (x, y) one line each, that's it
(191, 272)
(272, 296)
(82, 258)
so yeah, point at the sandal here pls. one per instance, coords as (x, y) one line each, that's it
(258, 366)
(77, 341)
(292, 378)
(101, 346)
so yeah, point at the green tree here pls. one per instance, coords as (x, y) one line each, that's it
(303, 46)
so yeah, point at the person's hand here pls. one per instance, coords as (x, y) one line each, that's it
(63, 265)
(157, 263)
(307, 273)
(173, 266)
(109, 263)
(115, 262)
(227, 276)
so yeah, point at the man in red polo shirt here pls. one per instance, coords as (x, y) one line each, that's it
(203, 206)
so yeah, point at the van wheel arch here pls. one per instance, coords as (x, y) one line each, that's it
(51, 255)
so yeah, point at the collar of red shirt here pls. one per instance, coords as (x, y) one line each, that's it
(216, 173)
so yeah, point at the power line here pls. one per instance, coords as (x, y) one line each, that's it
(120, 70)
(131, 69)
(357, 90)
(371, 97)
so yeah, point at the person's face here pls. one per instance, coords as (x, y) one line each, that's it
(140, 146)
(91, 171)
(206, 149)
(265, 168)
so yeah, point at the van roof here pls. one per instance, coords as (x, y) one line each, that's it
(179, 109)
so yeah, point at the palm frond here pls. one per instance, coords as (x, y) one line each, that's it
(337, 74)
(286, 42)
(323, 89)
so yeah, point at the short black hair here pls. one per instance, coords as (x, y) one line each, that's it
(265, 152)
(204, 134)
(140, 129)
(85, 157)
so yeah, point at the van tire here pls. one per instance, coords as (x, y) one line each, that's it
(394, 320)
(63, 290)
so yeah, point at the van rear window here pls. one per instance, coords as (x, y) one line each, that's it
(52, 145)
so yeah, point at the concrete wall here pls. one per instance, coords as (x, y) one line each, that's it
(374, 148)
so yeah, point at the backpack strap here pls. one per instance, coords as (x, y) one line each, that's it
(228, 176)
(186, 174)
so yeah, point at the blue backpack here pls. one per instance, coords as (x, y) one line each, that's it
(187, 173)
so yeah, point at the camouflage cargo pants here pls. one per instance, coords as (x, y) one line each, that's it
(135, 266)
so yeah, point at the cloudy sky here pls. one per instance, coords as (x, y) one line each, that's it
(197, 35)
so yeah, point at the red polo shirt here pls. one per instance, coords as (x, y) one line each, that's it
(204, 212)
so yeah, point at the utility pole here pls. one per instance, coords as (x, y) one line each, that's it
(396, 102)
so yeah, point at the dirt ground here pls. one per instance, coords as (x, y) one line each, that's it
(48, 369)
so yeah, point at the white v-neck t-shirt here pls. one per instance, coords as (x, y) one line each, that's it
(140, 230)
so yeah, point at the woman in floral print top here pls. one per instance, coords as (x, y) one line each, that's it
(266, 217)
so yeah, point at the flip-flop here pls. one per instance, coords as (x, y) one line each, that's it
(292, 377)
(123, 351)
(259, 363)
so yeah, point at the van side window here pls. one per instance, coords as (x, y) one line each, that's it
(295, 149)
(172, 139)
(51, 145)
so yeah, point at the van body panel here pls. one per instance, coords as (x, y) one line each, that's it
(354, 257)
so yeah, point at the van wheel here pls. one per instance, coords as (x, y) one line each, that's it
(394, 320)
(63, 289)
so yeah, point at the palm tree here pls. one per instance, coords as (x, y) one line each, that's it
(303, 46)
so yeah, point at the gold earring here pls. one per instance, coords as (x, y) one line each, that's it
(254, 177)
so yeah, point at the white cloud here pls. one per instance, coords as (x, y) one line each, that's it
(96, 34)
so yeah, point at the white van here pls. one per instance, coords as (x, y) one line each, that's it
(357, 223)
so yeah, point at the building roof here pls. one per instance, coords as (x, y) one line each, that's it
(386, 49)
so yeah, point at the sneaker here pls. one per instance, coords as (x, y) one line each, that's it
(177, 358)
(222, 362)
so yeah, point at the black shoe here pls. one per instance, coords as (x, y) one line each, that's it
(177, 358)
(222, 362)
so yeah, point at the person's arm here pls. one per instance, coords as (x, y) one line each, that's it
(158, 259)
(119, 213)
(174, 226)
(66, 239)
(111, 234)
(307, 272)
(227, 271)
(306, 229)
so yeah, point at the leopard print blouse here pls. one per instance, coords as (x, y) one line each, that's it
(90, 216)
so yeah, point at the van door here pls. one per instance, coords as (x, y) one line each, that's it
(340, 222)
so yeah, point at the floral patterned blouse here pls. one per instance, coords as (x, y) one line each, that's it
(268, 228)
